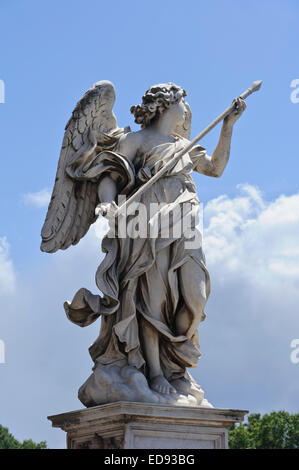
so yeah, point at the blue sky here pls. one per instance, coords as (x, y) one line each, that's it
(52, 52)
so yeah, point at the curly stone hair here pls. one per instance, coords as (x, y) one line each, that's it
(156, 100)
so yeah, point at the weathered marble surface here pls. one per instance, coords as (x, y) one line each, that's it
(147, 426)
(112, 383)
(154, 287)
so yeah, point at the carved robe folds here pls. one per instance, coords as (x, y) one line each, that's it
(130, 264)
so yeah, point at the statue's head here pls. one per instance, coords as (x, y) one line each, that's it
(156, 101)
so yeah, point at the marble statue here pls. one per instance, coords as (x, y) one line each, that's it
(154, 287)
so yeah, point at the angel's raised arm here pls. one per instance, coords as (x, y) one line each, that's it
(214, 165)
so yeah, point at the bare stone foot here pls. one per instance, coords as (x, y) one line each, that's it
(182, 385)
(161, 385)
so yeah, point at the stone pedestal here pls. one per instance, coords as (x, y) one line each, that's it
(125, 425)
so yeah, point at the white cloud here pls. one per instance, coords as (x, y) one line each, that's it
(253, 238)
(101, 227)
(7, 271)
(38, 199)
(252, 253)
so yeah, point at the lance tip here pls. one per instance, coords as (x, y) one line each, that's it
(256, 85)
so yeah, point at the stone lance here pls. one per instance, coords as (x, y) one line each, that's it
(255, 86)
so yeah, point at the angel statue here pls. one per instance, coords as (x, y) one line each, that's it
(154, 287)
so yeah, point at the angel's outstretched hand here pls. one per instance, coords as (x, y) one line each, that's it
(107, 209)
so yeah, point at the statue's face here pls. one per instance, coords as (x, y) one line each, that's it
(177, 112)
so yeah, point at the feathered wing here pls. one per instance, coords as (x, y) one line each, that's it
(91, 128)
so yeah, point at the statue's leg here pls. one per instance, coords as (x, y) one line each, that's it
(192, 281)
(150, 342)
(149, 335)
